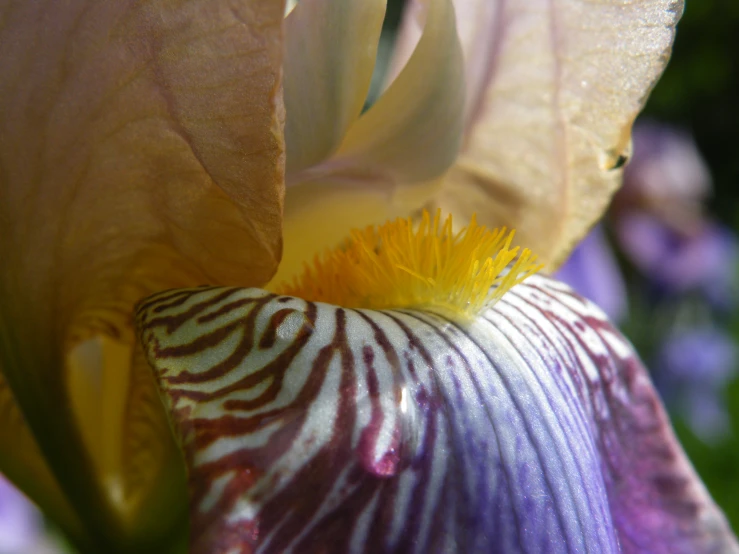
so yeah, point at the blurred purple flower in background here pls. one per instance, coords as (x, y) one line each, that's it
(660, 227)
(660, 223)
(692, 368)
(703, 261)
(592, 271)
(666, 177)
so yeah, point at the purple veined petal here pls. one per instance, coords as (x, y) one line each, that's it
(593, 272)
(312, 428)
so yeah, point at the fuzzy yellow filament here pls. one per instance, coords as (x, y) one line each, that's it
(428, 266)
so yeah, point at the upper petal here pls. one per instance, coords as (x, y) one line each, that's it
(390, 159)
(533, 429)
(140, 148)
(553, 89)
(413, 132)
(331, 46)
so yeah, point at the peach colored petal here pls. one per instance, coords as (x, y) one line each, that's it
(331, 48)
(140, 149)
(553, 89)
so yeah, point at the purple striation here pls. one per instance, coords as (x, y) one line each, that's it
(312, 428)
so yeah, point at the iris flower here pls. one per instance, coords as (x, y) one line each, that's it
(146, 148)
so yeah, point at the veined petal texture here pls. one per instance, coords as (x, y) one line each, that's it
(313, 428)
(553, 87)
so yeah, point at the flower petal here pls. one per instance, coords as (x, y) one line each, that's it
(140, 146)
(533, 429)
(413, 131)
(390, 159)
(554, 90)
(331, 46)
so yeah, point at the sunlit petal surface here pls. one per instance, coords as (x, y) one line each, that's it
(309, 428)
(553, 89)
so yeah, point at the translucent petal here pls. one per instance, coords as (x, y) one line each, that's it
(391, 159)
(533, 429)
(413, 132)
(554, 88)
(331, 46)
(141, 149)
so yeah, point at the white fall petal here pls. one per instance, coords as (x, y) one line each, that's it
(532, 429)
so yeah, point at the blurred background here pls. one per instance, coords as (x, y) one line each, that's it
(664, 263)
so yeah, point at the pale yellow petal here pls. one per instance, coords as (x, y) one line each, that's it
(555, 88)
(140, 149)
(478, 26)
(331, 46)
(320, 214)
(414, 130)
(391, 158)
